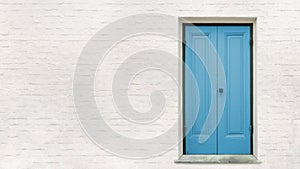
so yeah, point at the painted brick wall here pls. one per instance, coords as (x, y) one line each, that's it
(40, 43)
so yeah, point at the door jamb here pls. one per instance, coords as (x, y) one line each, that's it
(217, 21)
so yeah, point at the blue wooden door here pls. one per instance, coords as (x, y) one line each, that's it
(201, 43)
(233, 132)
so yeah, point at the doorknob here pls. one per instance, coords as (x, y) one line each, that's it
(220, 90)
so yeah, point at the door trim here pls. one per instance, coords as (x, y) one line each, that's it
(218, 21)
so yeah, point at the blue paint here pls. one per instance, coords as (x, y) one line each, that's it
(233, 135)
(199, 42)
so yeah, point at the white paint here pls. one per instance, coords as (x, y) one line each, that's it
(40, 42)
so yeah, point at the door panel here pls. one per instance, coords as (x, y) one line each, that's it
(234, 126)
(233, 134)
(200, 42)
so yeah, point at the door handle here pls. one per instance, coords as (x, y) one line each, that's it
(221, 90)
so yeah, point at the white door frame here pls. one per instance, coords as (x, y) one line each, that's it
(218, 158)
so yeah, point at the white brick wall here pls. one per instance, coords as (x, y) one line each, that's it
(40, 42)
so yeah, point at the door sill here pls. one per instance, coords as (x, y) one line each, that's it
(250, 159)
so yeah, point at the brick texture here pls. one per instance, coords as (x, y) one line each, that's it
(41, 41)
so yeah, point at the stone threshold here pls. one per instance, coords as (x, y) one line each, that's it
(248, 159)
